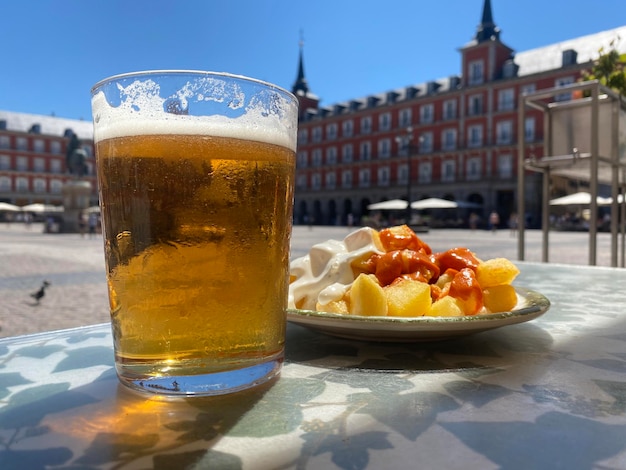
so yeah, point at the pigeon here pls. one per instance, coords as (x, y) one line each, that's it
(40, 293)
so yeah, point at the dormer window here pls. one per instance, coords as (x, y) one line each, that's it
(569, 57)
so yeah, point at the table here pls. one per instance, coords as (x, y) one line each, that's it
(550, 393)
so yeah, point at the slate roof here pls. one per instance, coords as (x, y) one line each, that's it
(49, 125)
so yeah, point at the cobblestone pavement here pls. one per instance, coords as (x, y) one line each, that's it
(74, 267)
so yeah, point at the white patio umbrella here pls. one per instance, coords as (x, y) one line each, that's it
(39, 208)
(577, 199)
(392, 204)
(434, 203)
(92, 210)
(6, 207)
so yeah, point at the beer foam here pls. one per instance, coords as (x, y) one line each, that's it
(142, 111)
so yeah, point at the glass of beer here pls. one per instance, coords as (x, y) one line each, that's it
(195, 177)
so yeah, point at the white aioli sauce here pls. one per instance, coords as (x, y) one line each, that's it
(325, 274)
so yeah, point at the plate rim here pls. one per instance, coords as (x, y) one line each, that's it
(534, 305)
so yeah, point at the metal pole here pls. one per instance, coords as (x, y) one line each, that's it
(593, 184)
(521, 169)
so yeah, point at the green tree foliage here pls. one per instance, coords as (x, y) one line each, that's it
(609, 69)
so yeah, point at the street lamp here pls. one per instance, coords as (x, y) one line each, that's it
(404, 142)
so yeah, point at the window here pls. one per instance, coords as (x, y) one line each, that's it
(365, 151)
(5, 142)
(475, 136)
(317, 134)
(39, 145)
(427, 113)
(449, 109)
(303, 137)
(22, 143)
(331, 180)
(384, 122)
(39, 165)
(476, 72)
(346, 179)
(317, 157)
(302, 161)
(474, 168)
(331, 131)
(364, 178)
(505, 166)
(56, 167)
(346, 153)
(448, 138)
(55, 146)
(447, 171)
(5, 183)
(561, 82)
(366, 125)
(426, 142)
(301, 182)
(56, 186)
(5, 162)
(316, 181)
(384, 148)
(506, 100)
(504, 132)
(383, 176)
(39, 185)
(406, 116)
(403, 173)
(475, 105)
(529, 129)
(21, 184)
(528, 89)
(331, 155)
(426, 172)
(347, 128)
(22, 164)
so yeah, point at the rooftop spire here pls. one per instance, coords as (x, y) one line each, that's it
(300, 87)
(487, 29)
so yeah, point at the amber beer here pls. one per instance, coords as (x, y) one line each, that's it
(196, 230)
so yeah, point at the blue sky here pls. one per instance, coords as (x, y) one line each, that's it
(55, 50)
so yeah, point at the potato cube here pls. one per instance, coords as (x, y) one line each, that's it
(367, 297)
(408, 298)
(334, 306)
(502, 298)
(446, 307)
(495, 272)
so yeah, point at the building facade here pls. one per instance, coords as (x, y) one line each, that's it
(454, 138)
(33, 166)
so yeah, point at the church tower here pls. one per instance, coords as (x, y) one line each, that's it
(485, 57)
(308, 101)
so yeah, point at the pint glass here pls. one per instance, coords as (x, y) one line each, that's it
(195, 177)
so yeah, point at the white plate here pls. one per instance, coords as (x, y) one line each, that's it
(530, 305)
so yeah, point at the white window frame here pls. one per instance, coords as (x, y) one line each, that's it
(5, 162)
(39, 185)
(405, 117)
(56, 186)
(425, 172)
(475, 105)
(475, 135)
(403, 173)
(365, 178)
(316, 181)
(366, 125)
(316, 134)
(504, 132)
(5, 183)
(529, 129)
(384, 122)
(384, 148)
(301, 162)
(505, 166)
(5, 142)
(39, 165)
(21, 143)
(476, 72)
(448, 139)
(21, 184)
(21, 163)
(365, 151)
(448, 171)
(331, 131)
(331, 180)
(427, 113)
(450, 109)
(346, 179)
(561, 82)
(331, 156)
(347, 153)
(316, 158)
(347, 128)
(55, 147)
(384, 176)
(506, 99)
(426, 142)
(474, 169)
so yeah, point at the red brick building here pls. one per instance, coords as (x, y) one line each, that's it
(33, 165)
(453, 138)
